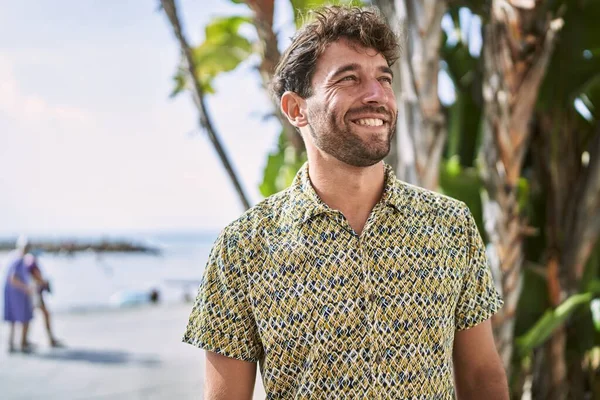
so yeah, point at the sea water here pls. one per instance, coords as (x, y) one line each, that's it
(90, 281)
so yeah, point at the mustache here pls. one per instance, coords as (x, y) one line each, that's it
(371, 109)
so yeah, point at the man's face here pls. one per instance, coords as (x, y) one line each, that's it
(352, 112)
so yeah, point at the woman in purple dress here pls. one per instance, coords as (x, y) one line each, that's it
(17, 298)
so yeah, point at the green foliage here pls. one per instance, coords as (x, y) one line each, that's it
(549, 322)
(582, 310)
(479, 7)
(575, 65)
(590, 95)
(595, 310)
(222, 51)
(591, 274)
(302, 7)
(465, 185)
(533, 302)
(180, 82)
(464, 116)
(464, 121)
(586, 327)
(523, 193)
(282, 165)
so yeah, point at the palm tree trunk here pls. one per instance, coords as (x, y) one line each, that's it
(516, 55)
(263, 21)
(421, 129)
(205, 121)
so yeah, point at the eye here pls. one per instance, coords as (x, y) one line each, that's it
(348, 78)
(386, 79)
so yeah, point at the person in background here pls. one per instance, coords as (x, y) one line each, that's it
(134, 297)
(17, 297)
(41, 286)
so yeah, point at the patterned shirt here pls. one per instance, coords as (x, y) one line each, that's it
(331, 314)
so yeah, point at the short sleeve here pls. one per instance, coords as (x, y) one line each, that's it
(478, 299)
(221, 320)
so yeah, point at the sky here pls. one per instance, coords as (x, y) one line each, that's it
(90, 141)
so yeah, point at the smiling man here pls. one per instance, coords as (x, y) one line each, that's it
(350, 283)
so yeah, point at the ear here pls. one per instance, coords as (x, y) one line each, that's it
(294, 108)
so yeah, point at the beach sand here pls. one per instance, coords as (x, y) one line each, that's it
(132, 353)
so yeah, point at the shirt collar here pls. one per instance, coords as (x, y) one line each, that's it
(307, 203)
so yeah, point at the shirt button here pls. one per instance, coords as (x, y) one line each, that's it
(378, 359)
(372, 298)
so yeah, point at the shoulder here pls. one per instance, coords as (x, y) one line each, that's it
(272, 211)
(418, 199)
(16, 263)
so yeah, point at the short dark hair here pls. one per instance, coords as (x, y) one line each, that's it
(363, 26)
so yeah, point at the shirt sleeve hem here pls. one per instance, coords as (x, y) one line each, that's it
(233, 348)
(470, 322)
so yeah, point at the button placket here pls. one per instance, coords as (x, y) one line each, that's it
(371, 308)
(375, 302)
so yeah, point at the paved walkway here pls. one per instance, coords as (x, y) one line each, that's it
(125, 354)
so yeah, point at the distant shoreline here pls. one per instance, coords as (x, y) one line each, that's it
(70, 247)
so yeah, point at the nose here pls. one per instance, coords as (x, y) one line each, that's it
(374, 93)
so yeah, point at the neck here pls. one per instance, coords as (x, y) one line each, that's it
(352, 190)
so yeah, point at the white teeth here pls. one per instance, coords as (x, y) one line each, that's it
(369, 122)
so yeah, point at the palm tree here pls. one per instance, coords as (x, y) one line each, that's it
(518, 43)
(198, 94)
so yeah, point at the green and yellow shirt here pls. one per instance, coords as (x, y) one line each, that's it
(331, 314)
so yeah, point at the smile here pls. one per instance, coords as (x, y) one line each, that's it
(369, 122)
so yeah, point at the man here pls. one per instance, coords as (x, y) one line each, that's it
(41, 285)
(349, 284)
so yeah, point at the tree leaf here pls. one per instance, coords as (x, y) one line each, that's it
(269, 183)
(465, 185)
(574, 62)
(223, 50)
(180, 83)
(595, 308)
(282, 165)
(549, 322)
(464, 116)
(221, 29)
(302, 7)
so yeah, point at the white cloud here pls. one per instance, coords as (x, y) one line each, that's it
(31, 107)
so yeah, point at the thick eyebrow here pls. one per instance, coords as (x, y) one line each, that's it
(354, 67)
(387, 70)
(344, 68)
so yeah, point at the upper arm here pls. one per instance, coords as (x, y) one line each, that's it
(474, 347)
(478, 369)
(477, 363)
(222, 320)
(228, 378)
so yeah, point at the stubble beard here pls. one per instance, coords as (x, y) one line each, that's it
(344, 144)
